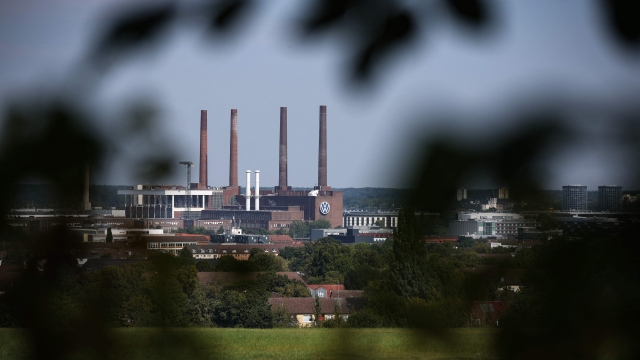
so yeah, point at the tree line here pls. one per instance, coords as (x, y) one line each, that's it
(164, 291)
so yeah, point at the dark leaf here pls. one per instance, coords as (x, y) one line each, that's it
(137, 27)
(472, 12)
(624, 18)
(327, 12)
(397, 29)
(228, 12)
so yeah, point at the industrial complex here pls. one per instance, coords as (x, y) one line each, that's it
(272, 209)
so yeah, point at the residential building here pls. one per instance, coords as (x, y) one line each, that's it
(579, 227)
(488, 313)
(302, 309)
(324, 291)
(609, 197)
(461, 194)
(574, 197)
(238, 251)
(486, 216)
(503, 193)
(226, 277)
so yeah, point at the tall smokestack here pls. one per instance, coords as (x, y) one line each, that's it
(86, 205)
(247, 193)
(283, 147)
(203, 181)
(233, 161)
(322, 153)
(257, 191)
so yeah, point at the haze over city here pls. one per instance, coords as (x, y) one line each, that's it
(446, 81)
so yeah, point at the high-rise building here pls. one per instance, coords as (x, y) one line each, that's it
(503, 193)
(574, 197)
(609, 197)
(461, 194)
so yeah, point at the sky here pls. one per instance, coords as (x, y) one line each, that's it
(446, 81)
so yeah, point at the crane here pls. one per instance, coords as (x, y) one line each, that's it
(189, 165)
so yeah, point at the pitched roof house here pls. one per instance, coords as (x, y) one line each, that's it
(210, 278)
(487, 313)
(303, 308)
(324, 291)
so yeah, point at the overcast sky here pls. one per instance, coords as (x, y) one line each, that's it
(445, 81)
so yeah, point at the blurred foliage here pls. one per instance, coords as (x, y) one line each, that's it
(581, 297)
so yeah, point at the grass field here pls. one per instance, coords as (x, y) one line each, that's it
(198, 343)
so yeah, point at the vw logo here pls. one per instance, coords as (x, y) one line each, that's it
(324, 208)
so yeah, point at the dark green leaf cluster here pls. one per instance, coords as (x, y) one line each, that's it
(302, 229)
(258, 261)
(328, 261)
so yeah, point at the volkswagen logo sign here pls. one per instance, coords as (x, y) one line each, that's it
(324, 208)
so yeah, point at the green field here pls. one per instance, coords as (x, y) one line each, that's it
(198, 343)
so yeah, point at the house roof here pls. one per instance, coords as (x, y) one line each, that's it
(347, 294)
(490, 306)
(95, 264)
(176, 238)
(208, 278)
(7, 279)
(496, 257)
(296, 306)
(228, 249)
(484, 270)
(280, 238)
(513, 277)
(328, 287)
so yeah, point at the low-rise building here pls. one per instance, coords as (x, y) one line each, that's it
(238, 251)
(324, 291)
(302, 309)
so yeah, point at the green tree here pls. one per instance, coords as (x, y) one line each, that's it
(229, 263)
(201, 308)
(185, 257)
(109, 235)
(329, 261)
(282, 319)
(408, 273)
(262, 261)
(204, 266)
(249, 309)
(336, 320)
(299, 229)
(272, 282)
(317, 312)
(187, 276)
(297, 257)
(168, 299)
(220, 230)
(319, 224)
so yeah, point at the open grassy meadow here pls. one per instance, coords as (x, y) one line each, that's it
(199, 343)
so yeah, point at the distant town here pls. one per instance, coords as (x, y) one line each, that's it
(300, 256)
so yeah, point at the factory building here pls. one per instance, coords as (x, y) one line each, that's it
(150, 202)
(273, 209)
(280, 204)
(389, 219)
(263, 219)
